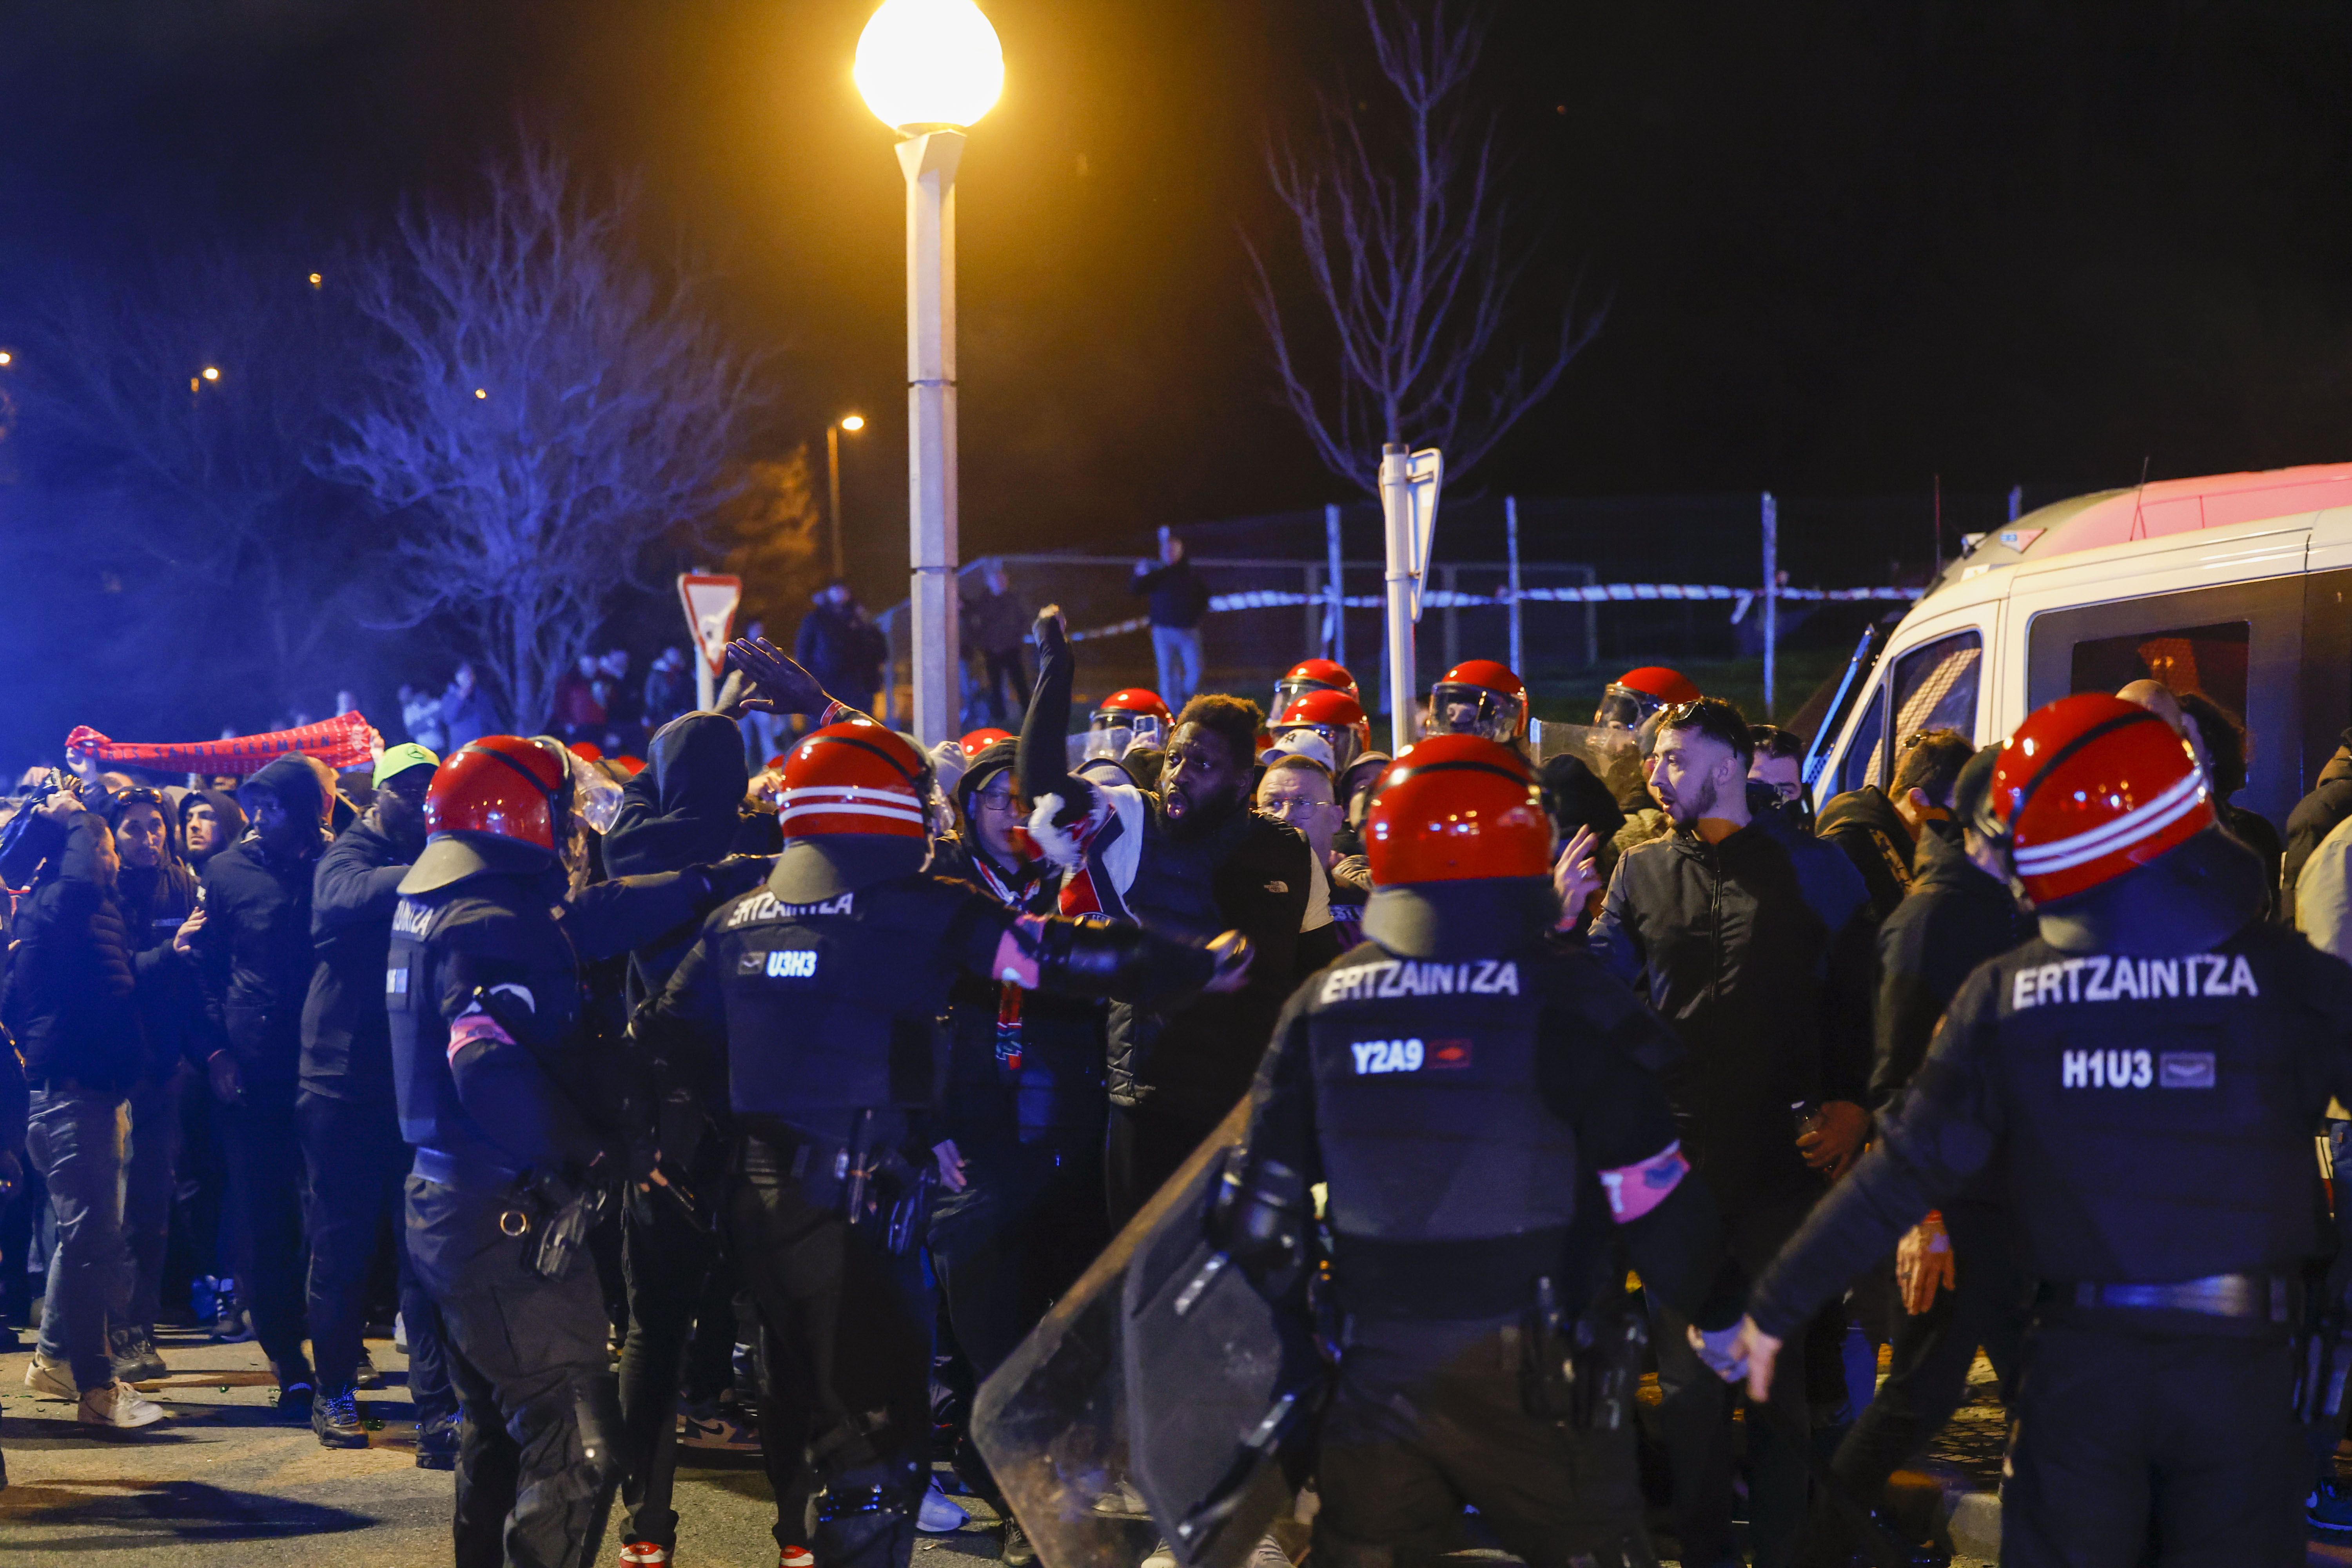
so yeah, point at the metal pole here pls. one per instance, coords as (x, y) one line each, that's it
(930, 162)
(1313, 595)
(1339, 596)
(1771, 593)
(1511, 542)
(1452, 581)
(1396, 513)
(832, 491)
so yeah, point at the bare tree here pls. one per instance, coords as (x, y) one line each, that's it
(1406, 240)
(550, 411)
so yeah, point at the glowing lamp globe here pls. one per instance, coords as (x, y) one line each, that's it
(929, 63)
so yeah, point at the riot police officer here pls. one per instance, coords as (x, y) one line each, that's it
(2143, 1081)
(1479, 1097)
(822, 991)
(513, 1108)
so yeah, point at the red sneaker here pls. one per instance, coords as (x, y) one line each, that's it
(644, 1554)
(796, 1557)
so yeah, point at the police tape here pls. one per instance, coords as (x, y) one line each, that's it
(1583, 594)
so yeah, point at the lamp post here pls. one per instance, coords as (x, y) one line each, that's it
(928, 69)
(852, 422)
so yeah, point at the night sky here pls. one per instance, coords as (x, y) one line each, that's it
(1846, 246)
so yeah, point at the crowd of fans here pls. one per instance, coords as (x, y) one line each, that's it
(205, 1133)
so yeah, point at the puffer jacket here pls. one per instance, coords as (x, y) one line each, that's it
(1757, 951)
(71, 986)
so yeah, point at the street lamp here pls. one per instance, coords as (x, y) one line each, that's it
(852, 423)
(927, 68)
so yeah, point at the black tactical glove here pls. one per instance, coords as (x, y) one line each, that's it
(1261, 1220)
(736, 874)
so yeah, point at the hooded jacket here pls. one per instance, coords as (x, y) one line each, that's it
(70, 985)
(684, 807)
(2315, 817)
(155, 901)
(254, 954)
(1863, 822)
(1955, 917)
(1757, 952)
(346, 1035)
(225, 811)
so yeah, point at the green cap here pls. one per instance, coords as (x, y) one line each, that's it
(400, 759)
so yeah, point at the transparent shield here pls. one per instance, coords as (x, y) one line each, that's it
(1163, 1396)
(1613, 754)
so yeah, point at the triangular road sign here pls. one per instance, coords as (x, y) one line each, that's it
(710, 613)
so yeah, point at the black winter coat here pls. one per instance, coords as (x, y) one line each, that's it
(154, 903)
(71, 986)
(1863, 822)
(1757, 952)
(1955, 918)
(346, 1036)
(1178, 598)
(254, 960)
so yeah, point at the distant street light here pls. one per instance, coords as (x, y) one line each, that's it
(6, 358)
(315, 281)
(852, 423)
(212, 373)
(927, 68)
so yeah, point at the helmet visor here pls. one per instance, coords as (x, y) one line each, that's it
(1624, 708)
(1455, 708)
(1110, 733)
(1287, 692)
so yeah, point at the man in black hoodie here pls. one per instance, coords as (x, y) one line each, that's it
(70, 1006)
(682, 809)
(1959, 1281)
(349, 1116)
(253, 958)
(156, 891)
(1878, 828)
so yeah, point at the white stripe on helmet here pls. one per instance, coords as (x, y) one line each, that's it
(2140, 823)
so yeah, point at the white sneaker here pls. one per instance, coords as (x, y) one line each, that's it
(50, 1379)
(939, 1515)
(118, 1405)
(1162, 1556)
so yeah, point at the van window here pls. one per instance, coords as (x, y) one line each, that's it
(1934, 688)
(2241, 644)
(2207, 658)
(1860, 763)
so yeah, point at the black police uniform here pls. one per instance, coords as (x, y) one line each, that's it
(483, 986)
(2148, 1115)
(1463, 1112)
(825, 991)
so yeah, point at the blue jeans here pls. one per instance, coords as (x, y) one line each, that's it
(76, 1139)
(1178, 651)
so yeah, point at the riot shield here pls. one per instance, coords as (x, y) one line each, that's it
(1164, 1394)
(1610, 753)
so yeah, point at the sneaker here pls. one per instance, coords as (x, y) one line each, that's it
(232, 1324)
(136, 1359)
(436, 1443)
(939, 1516)
(722, 1427)
(2329, 1506)
(335, 1417)
(1269, 1554)
(795, 1557)
(644, 1554)
(1162, 1556)
(1015, 1550)
(1123, 1501)
(119, 1406)
(50, 1379)
(365, 1375)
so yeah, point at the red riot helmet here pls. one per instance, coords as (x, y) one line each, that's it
(502, 804)
(1454, 807)
(1480, 696)
(1312, 675)
(1638, 693)
(855, 777)
(979, 741)
(2091, 787)
(1336, 716)
(1130, 717)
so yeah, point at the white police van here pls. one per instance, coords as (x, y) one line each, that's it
(2233, 585)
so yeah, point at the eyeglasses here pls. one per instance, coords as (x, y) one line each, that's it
(995, 800)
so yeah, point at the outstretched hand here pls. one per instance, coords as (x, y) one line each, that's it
(782, 686)
(1053, 633)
